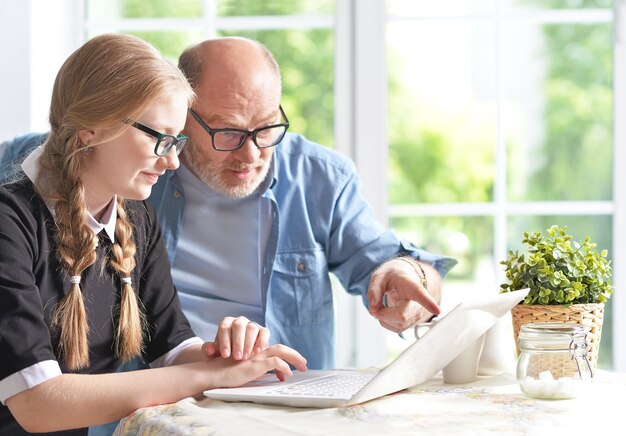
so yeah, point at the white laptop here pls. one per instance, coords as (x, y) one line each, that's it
(417, 364)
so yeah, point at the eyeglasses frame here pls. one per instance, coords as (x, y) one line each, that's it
(159, 137)
(247, 133)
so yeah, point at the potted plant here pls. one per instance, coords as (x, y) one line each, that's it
(569, 281)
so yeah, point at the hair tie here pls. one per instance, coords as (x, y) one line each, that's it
(75, 280)
(127, 280)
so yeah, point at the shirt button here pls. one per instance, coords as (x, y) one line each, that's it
(301, 267)
(177, 195)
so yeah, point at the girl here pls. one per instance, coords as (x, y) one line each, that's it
(84, 279)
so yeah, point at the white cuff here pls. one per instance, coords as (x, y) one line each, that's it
(28, 378)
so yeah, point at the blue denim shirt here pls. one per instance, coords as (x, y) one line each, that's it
(321, 224)
(13, 152)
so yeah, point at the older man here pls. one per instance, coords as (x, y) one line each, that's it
(255, 218)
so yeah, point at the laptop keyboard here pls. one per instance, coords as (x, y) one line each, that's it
(335, 385)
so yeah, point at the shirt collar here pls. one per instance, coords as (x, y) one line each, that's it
(108, 221)
(109, 217)
(270, 178)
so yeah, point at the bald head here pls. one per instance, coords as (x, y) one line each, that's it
(225, 61)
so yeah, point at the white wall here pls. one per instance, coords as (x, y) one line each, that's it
(31, 58)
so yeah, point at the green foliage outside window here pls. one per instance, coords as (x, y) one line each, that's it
(306, 60)
(161, 8)
(578, 115)
(274, 7)
(306, 57)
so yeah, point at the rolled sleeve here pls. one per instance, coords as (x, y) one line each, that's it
(442, 264)
(28, 378)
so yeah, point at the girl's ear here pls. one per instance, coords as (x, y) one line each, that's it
(86, 136)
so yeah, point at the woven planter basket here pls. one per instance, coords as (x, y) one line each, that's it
(588, 315)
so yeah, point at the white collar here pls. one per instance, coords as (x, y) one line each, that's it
(109, 218)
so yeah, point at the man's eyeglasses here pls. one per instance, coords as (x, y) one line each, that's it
(233, 139)
(164, 142)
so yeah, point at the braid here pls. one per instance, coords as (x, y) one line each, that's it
(110, 79)
(129, 333)
(76, 248)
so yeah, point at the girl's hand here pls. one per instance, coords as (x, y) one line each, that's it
(232, 373)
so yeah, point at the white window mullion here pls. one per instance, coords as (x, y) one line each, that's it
(346, 307)
(619, 190)
(344, 73)
(209, 17)
(209, 21)
(522, 208)
(370, 145)
(500, 217)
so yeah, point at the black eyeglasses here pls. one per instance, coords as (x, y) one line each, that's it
(233, 139)
(164, 142)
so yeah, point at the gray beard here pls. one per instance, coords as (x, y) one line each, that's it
(210, 177)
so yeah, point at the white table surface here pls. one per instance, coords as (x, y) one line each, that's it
(491, 405)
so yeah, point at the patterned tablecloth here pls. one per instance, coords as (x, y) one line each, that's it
(492, 405)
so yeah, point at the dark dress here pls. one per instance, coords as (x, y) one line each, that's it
(31, 284)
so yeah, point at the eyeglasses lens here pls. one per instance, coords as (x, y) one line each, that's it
(166, 143)
(232, 140)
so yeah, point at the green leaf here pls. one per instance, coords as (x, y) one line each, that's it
(558, 269)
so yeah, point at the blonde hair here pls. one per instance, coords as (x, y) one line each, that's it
(108, 80)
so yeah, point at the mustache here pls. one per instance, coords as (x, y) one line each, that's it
(241, 166)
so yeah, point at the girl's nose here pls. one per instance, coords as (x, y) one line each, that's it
(171, 159)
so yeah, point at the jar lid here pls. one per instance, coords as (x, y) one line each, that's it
(553, 331)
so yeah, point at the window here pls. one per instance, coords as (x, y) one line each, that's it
(494, 116)
(500, 122)
(498, 116)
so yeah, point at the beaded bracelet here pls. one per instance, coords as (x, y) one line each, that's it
(420, 272)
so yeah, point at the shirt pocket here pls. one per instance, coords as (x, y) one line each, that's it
(300, 290)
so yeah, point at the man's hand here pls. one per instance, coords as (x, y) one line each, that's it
(408, 302)
(238, 338)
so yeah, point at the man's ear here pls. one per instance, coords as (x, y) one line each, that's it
(86, 136)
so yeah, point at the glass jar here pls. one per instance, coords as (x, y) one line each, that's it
(553, 360)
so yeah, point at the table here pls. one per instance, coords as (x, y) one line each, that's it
(491, 405)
